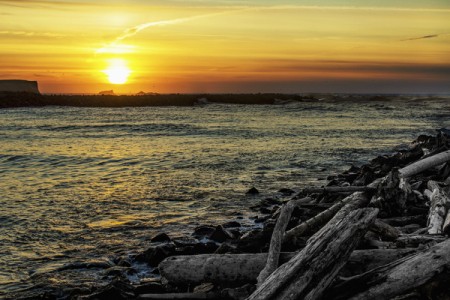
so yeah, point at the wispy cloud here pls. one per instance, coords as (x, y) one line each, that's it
(242, 8)
(431, 36)
(129, 32)
(31, 34)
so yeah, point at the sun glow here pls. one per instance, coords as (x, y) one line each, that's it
(117, 71)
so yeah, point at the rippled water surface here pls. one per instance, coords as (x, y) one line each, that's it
(80, 183)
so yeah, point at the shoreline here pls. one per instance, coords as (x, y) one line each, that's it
(230, 239)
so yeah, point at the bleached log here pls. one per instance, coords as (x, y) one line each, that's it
(428, 194)
(338, 189)
(396, 278)
(438, 208)
(232, 268)
(312, 270)
(358, 199)
(446, 227)
(277, 236)
(424, 164)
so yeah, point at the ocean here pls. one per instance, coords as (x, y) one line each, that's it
(83, 184)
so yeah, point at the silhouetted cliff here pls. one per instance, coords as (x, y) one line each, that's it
(19, 86)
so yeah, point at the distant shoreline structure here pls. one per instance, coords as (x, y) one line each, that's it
(27, 99)
(19, 86)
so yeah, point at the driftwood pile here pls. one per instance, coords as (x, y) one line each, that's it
(375, 232)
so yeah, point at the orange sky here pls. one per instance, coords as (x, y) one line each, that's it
(224, 46)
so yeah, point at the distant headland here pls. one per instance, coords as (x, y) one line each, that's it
(19, 86)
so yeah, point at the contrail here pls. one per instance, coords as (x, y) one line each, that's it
(135, 30)
(421, 37)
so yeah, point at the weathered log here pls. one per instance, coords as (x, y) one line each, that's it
(338, 189)
(312, 270)
(424, 164)
(446, 227)
(172, 296)
(215, 268)
(386, 231)
(393, 194)
(414, 240)
(438, 208)
(232, 268)
(358, 198)
(275, 242)
(396, 278)
(406, 220)
(428, 194)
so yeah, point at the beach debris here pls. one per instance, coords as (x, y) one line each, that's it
(373, 232)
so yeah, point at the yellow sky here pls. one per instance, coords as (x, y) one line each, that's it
(223, 46)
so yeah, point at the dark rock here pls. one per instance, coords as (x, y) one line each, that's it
(265, 210)
(118, 289)
(155, 271)
(254, 241)
(220, 234)
(252, 191)
(203, 231)
(197, 248)
(286, 192)
(161, 237)
(242, 292)
(236, 233)
(154, 255)
(225, 248)
(124, 263)
(184, 241)
(270, 201)
(231, 224)
(261, 219)
(204, 248)
(115, 271)
(149, 288)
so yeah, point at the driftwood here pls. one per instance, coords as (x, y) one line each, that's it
(276, 240)
(396, 278)
(424, 164)
(386, 231)
(312, 270)
(438, 208)
(169, 296)
(358, 199)
(415, 240)
(446, 227)
(393, 194)
(238, 268)
(406, 220)
(338, 189)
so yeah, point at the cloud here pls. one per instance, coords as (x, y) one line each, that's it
(421, 37)
(129, 32)
(243, 8)
(31, 34)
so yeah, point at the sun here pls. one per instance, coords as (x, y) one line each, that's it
(117, 71)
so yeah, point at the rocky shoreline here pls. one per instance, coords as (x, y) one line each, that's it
(391, 220)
